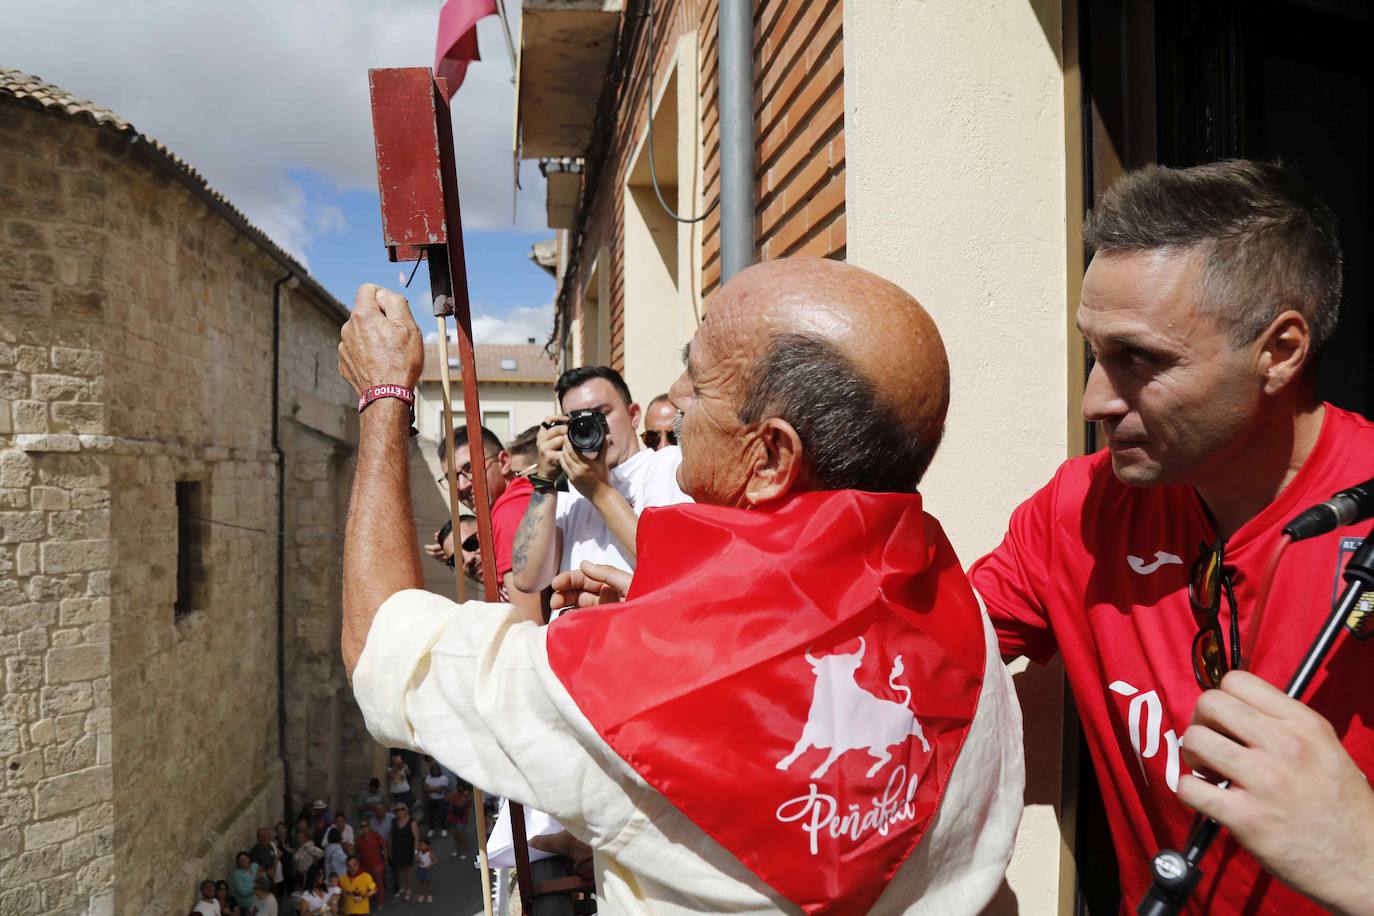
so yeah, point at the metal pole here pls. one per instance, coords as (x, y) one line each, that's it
(736, 137)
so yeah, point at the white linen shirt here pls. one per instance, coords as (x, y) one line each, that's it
(471, 685)
(647, 478)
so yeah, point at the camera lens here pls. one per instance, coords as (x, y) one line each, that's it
(587, 430)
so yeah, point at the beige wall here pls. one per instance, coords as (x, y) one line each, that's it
(954, 127)
(524, 405)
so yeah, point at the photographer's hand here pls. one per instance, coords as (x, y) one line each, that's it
(589, 475)
(590, 585)
(553, 432)
(1296, 800)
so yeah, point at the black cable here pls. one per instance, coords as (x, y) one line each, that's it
(653, 174)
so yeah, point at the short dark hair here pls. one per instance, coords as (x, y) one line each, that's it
(333, 836)
(583, 374)
(353, 859)
(1268, 241)
(460, 439)
(525, 443)
(851, 441)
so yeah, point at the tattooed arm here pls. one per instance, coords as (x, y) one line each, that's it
(538, 544)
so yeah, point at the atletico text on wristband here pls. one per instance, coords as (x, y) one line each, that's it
(400, 392)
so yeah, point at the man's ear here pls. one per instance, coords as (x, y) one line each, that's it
(1286, 351)
(503, 462)
(635, 413)
(778, 466)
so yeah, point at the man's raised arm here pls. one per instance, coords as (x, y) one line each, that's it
(381, 345)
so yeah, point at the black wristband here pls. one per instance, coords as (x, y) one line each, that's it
(542, 484)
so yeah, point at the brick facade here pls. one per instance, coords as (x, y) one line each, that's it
(799, 141)
(138, 748)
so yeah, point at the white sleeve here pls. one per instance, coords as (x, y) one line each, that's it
(471, 685)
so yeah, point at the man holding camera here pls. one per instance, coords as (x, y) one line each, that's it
(613, 478)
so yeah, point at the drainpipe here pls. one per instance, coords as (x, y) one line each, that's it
(290, 281)
(736, 137)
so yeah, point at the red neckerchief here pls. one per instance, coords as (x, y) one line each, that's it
(754, 642)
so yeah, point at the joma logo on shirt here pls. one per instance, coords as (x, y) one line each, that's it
(1144, 719)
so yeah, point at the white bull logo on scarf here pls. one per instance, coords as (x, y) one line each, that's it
(845, 717)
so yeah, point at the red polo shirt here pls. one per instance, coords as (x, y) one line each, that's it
(1098, 571)
(506, 513)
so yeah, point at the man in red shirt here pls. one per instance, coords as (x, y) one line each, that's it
(509, 496)
(1211, 293)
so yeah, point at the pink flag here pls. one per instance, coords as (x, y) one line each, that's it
(457, 43)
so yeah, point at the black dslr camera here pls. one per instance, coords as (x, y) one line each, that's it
(587, 430)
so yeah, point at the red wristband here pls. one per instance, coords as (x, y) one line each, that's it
(400, 392)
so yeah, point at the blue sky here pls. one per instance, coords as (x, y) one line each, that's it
(269, 101)
(503, 282)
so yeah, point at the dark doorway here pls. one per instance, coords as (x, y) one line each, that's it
(1182, 82)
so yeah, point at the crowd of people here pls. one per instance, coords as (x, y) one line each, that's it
(795, 604)
(329, 864)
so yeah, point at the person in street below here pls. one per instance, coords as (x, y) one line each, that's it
(228, 906)
(509, 496)
(335, 858)
(371, 851)
(658, 424)
(690, 734)
(597, 519)
(404, 835)
(241, 880)
(264, 904)
(264, 853)
(358, 888)
(345, 830)
(315, 899)
(1209, 297)
(398, 780)
(370, 797)
(436, 799)
(207, 905)
(424, 866)
(456, 817)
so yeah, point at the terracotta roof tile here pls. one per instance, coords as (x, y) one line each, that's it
(524, 363)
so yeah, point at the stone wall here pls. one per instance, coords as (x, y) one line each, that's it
(140, 748)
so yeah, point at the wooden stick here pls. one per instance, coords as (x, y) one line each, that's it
(478, 801)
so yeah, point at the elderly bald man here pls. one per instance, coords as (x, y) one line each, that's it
(800, 704)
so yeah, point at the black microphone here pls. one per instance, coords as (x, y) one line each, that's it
(1351, 505)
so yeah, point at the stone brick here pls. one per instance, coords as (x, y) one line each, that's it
(22, 901)
(29, 868)
(42, 732)
(9, 740)
(98, 584)
(55, 588)
(16, 469)
(21, 526)
(71, 791)
(6, 423)
(14, 498)
(10, 841)
(16, 806)
(31, 359)
(14, 386)
(23, 673)
(64, 638)
(28, 416)
(77, 663)
(85, 498)
(79, 524)
(49, 498)
(72, 755)
(33, 642)
(23, 769)
(81, 304)
(49, 442)
(56, 388)
(77, 612)
(75, 556)
(78, 417)
(84, 363)
(26, 235)
(66, 698)
(48, 833)
(27, 299)
(59, 893)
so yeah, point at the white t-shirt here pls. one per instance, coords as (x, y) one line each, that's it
(207, 908)
(315, 902)
(436, 786)
(264, 906)
(646, 479)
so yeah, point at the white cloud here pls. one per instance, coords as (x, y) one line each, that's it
(516, 325)
(249, 90)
